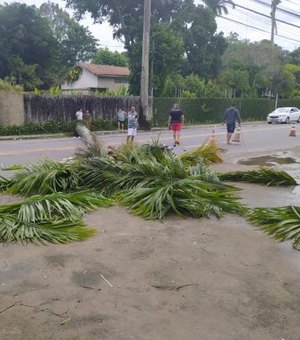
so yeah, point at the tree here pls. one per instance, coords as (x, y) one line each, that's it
(171, 24)
(26, 41)
(203, 47)
(261, 60)
(106, 57)
(75, 42)
(218, 7)
(236, 82)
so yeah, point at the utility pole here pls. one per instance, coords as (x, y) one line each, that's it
(274, 5)
(144, 92)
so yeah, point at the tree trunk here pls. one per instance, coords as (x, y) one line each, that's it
(87, 136)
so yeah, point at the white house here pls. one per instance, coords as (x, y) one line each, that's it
(95, 77)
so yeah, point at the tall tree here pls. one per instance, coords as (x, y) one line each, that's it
(219, 6)
(254, 58)
(27, 46)
(76, 43)
(126, 17)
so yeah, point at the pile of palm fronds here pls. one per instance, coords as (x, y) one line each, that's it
(148, 179)
(154, 182)
(55, 208)
(283, 223)
(207, 153)
(267, 176)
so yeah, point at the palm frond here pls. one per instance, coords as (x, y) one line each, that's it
(186, 197)
(282, 223)
(267, 176)
(54, 207)
(45, 177)
(13, 167)
(111, 176)
(43, 232)
(5, 183)
(52, 218)
(207, 153)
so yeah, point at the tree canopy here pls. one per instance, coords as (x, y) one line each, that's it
(106, 57)
(183, 36)
(28, 48)
(38, 46)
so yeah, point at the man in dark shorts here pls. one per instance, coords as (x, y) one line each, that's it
(176, 120)
(230, 117)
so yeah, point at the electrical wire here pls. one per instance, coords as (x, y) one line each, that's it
(258, 29)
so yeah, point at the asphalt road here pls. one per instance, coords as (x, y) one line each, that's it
(255, 137)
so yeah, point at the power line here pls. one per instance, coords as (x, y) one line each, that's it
(267, 16)
(258, 29)
(278, 8)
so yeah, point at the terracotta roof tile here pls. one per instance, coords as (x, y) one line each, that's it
(105, 70)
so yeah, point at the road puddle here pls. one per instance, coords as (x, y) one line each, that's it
(269, 160)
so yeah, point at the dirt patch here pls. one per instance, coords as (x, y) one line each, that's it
(177, 279)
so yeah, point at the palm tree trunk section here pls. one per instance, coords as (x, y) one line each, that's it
(86, 135)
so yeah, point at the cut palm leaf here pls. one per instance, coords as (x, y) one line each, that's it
(55, 207)
(111, 177)
(5, 183)
(266, 176)
(185, 197)
(207, 153)
(13, 167)
(44, 178)
(282, 223)
(44, 232)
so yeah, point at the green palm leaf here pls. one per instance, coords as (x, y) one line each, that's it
(45, 177)
(282, 223)
(267, 176)
(4, 183)
(52, 218)
(55, 207)
(185, 197)
(62, 232)
(207, 153)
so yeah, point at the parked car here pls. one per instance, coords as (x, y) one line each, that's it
(284, 115)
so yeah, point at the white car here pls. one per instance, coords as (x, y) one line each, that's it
(284, 115)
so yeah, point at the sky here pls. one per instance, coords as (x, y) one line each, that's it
(249, 19)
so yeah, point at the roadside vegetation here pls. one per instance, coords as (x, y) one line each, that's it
(52, 127)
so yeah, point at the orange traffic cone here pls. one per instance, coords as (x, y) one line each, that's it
(237, 135)
(293, 131)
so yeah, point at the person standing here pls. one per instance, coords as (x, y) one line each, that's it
(132, 124)
(79, 114)
(231, 115)
(121, 118)
(176, 121)
(88, 119)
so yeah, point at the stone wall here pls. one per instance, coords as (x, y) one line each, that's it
(11, 109)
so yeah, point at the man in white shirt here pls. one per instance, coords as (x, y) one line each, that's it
(79, 114)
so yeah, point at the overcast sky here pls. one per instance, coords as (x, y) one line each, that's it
(244, 21)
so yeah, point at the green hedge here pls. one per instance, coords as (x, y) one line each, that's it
(211, 110)
(51, 127)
